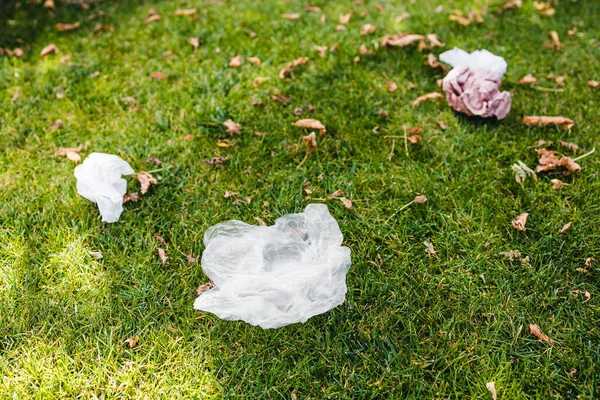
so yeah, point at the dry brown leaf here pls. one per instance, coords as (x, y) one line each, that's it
(587, 295)
(291, 16)
(95, 74)
(310, 8)
(205, 287)
(566, 227)
(520, 222)
(152, 18)
(347, 203)
(428, 96)
(549, 161)
(15, 97)
(561, 80)
(367, 29)
(311, 124)
(512, 4)
(340, 28)
(442, 125)
(535, 330)
(434, 41)
(401, 40)
(345, 18)
(433, 62)
(310, 141)
(162, 254)
(545, 121)
(161, 240)
(159, 76)
(236, 61)
(254, 60)
(250, 33)
(96, 255)
(491, 386)
(364, 51)
(49, 4)
(57, 124)
(189, 11)
(50, 49)
(195, 42)
(258, 80)
(229, 194)
(145, 180)
(281, 98)
(414, 139)
(233, 127)
(62, 151)
(588, 262)
(420, 199)
(260, 221)
(307, 188)
(336, 194)
(544, 9)
(402, 17)
(569, 146)
(460, 20)
(67, 27)
(133, 196)
(555, 40)
(71, 155)
(224, 143)
(321, 49)
(102, 28)
(132, 341)
(429, 249)
(582, 270)
(391, 86)
(527, 79)
(292, 66)
(594, 84)
(557, 184)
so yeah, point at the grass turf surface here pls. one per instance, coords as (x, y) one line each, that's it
(412, 325)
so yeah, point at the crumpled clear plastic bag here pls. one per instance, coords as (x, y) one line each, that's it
(99, 180)
(272, 276)
(479, 59)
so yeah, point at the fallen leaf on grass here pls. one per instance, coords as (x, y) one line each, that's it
(512, 4)
(401, 40)
(233, 127)
(347, 203)
(95, 254)
(420, 199)
(310, 8)
(49, 4)
(205, 287)
(159, 76)
(95, 74)
(216, 162)
(146, 180)
(561, 80)
(132, 341)
(189, 11)
(491, 386)
(434, 41)
(70, 152)
(195, 42)
(442, 125)
(129, 100)
(414, 139)
(460, 19)
(162, 254)
(254, 60)
(566, 227)
(236, 61)
(229, 194)
(402, 17)
(307, 188)
(391, 86)
(257, 81)
(364, 51)
(428, 96)
(50, 49)
(291, 16)
(535, 330)
(367, 29)
(281, 98)
(67, 27)
(545, 121)
(520, 222)
(429, 250)
(544, 9)
(549, 161)
(102, 28)
(557, 184)
(292, 66)
(594, 84)
(311, 124)
(310, 141)
(336, 194)
(555, 40)
(340, 28)
(321, 49)
(569, 146)
(588, 262)
(133, 196)
(433, 62)
(152, 18)
(15, 97)
(522, 172)
(587, 295)
(527, 79)
(161, 240)
(167, 53)
(260, 221)
(345, 18)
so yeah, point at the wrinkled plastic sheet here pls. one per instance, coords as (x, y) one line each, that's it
(99, 180)
(272, 276)
(479, 59)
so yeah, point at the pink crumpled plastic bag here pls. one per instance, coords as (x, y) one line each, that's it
(472, 87)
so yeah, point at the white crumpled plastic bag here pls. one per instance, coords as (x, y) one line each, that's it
(99, 180)
(272, 276)
(479, 59)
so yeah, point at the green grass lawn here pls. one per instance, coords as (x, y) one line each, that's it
(413, 325)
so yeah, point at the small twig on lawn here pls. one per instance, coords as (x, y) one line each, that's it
(405, 142)
(400, 209)
(154, 171)
(392, 152)
(585, 155)
(304, 159)
(545, 89)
